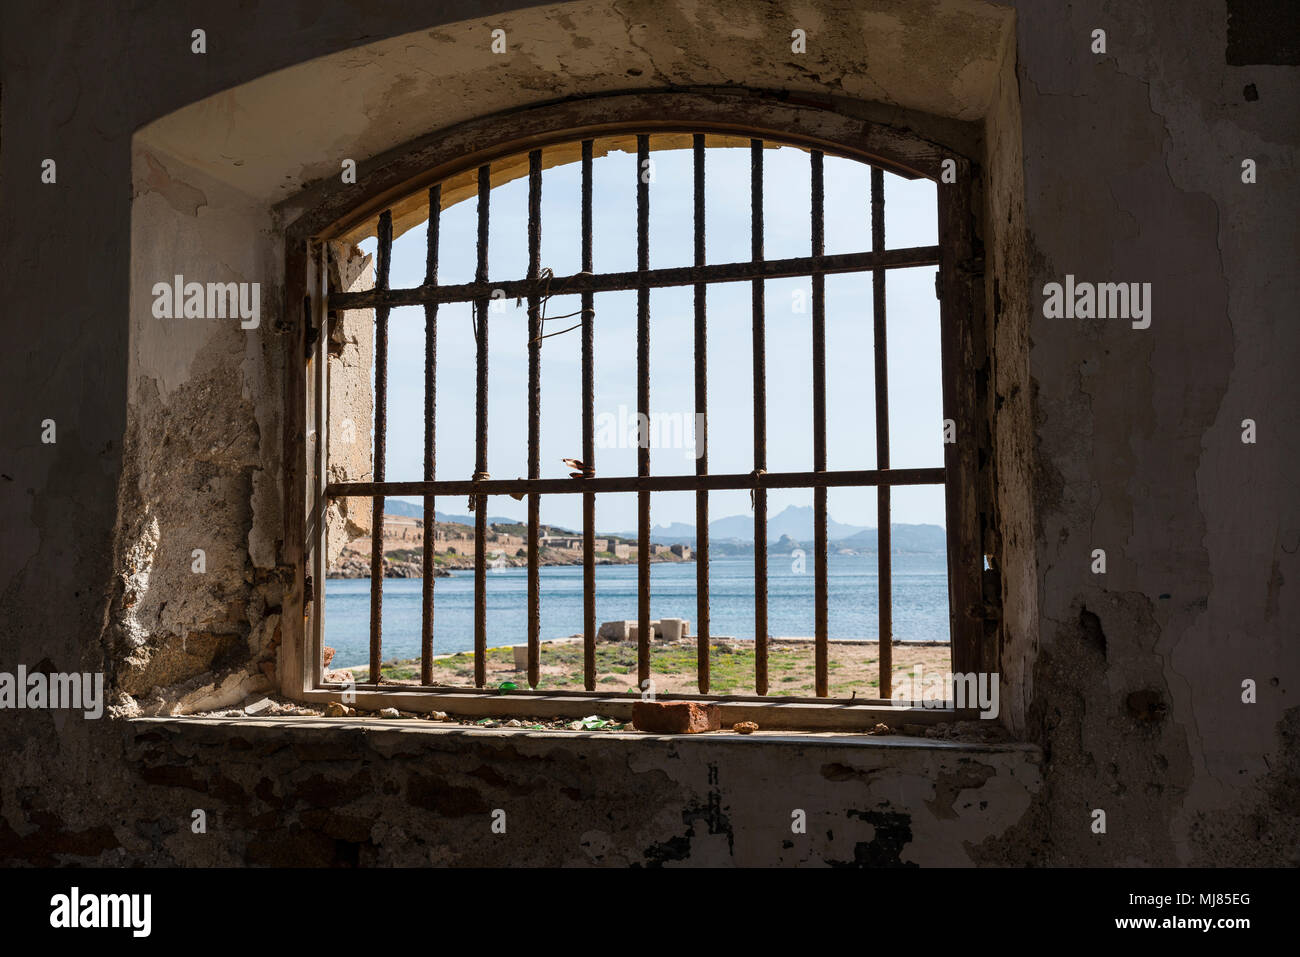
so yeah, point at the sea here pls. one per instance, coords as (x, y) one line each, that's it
(920, 602)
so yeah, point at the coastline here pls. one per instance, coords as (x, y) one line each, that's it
(354, 566)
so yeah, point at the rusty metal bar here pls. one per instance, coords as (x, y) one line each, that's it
(760, 418)
(702, 434)
(656, 483)
(309, 399)
(588, 437)
(963, 338)
(884, 537)
(821, 613)
(643, 409)
(534, 412)
(430, 407)
(649, 279)
(381, 428)
(479, 501)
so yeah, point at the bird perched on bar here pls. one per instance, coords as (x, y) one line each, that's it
(575, 464)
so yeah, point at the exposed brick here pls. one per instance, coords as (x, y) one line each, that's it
(676, 717)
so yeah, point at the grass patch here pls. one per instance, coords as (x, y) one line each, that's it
(852, 668)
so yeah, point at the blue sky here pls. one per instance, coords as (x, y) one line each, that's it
(915, 400)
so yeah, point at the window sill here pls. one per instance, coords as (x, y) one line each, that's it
(770, 714)
(379, 730)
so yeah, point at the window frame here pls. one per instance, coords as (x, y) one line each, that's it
(329, 210)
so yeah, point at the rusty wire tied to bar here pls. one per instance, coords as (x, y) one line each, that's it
(481, 423)
(662, 278)
(588, 436)
(537, 287)
(534, 411)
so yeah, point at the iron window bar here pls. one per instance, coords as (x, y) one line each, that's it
(661, 278)
(588, 433)
(700, 275)
(760, 416)
(381, 430)
(699, 296)
(430, 445)
(643, 410)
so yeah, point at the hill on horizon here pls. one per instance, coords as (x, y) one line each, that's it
(794, 522)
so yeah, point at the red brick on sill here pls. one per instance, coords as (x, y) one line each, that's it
(676, 717)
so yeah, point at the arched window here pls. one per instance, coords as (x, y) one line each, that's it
(729, 362)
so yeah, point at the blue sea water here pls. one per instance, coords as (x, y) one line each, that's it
(920, 603)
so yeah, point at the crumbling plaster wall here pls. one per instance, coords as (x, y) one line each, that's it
(194, 622)
(1131, 172)
(411, 796)
(351, 400)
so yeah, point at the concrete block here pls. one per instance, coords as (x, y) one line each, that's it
(672, 629)
(616, 631)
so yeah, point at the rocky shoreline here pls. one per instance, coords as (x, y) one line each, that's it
(358, 566)
(354, 566)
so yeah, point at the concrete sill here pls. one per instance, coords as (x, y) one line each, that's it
(408, 729)
(770, 713)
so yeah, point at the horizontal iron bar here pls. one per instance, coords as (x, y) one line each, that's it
(771, 714)
(649, 483)
(504, 697)
(649, 279)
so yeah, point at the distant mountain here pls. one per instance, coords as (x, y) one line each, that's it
(799, 522)
(393, 506)
(672, 534)
(796, 524)
(904, 538)
(796, 521)
(738, 528)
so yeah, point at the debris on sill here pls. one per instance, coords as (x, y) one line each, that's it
(269, 706)
(264, 706)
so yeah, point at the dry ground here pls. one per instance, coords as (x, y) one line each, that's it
(853, 667)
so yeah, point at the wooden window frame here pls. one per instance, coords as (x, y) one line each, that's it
(386, 182)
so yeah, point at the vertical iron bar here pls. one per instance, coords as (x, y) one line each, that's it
(588, 440)
(480, 454)
(430, 406)
(316, 307)
(961, 321)
(643, 408)
(760, 420)
(821, 613)
(534, 411)
(381, 427)
(701, 434)
(884, 536)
